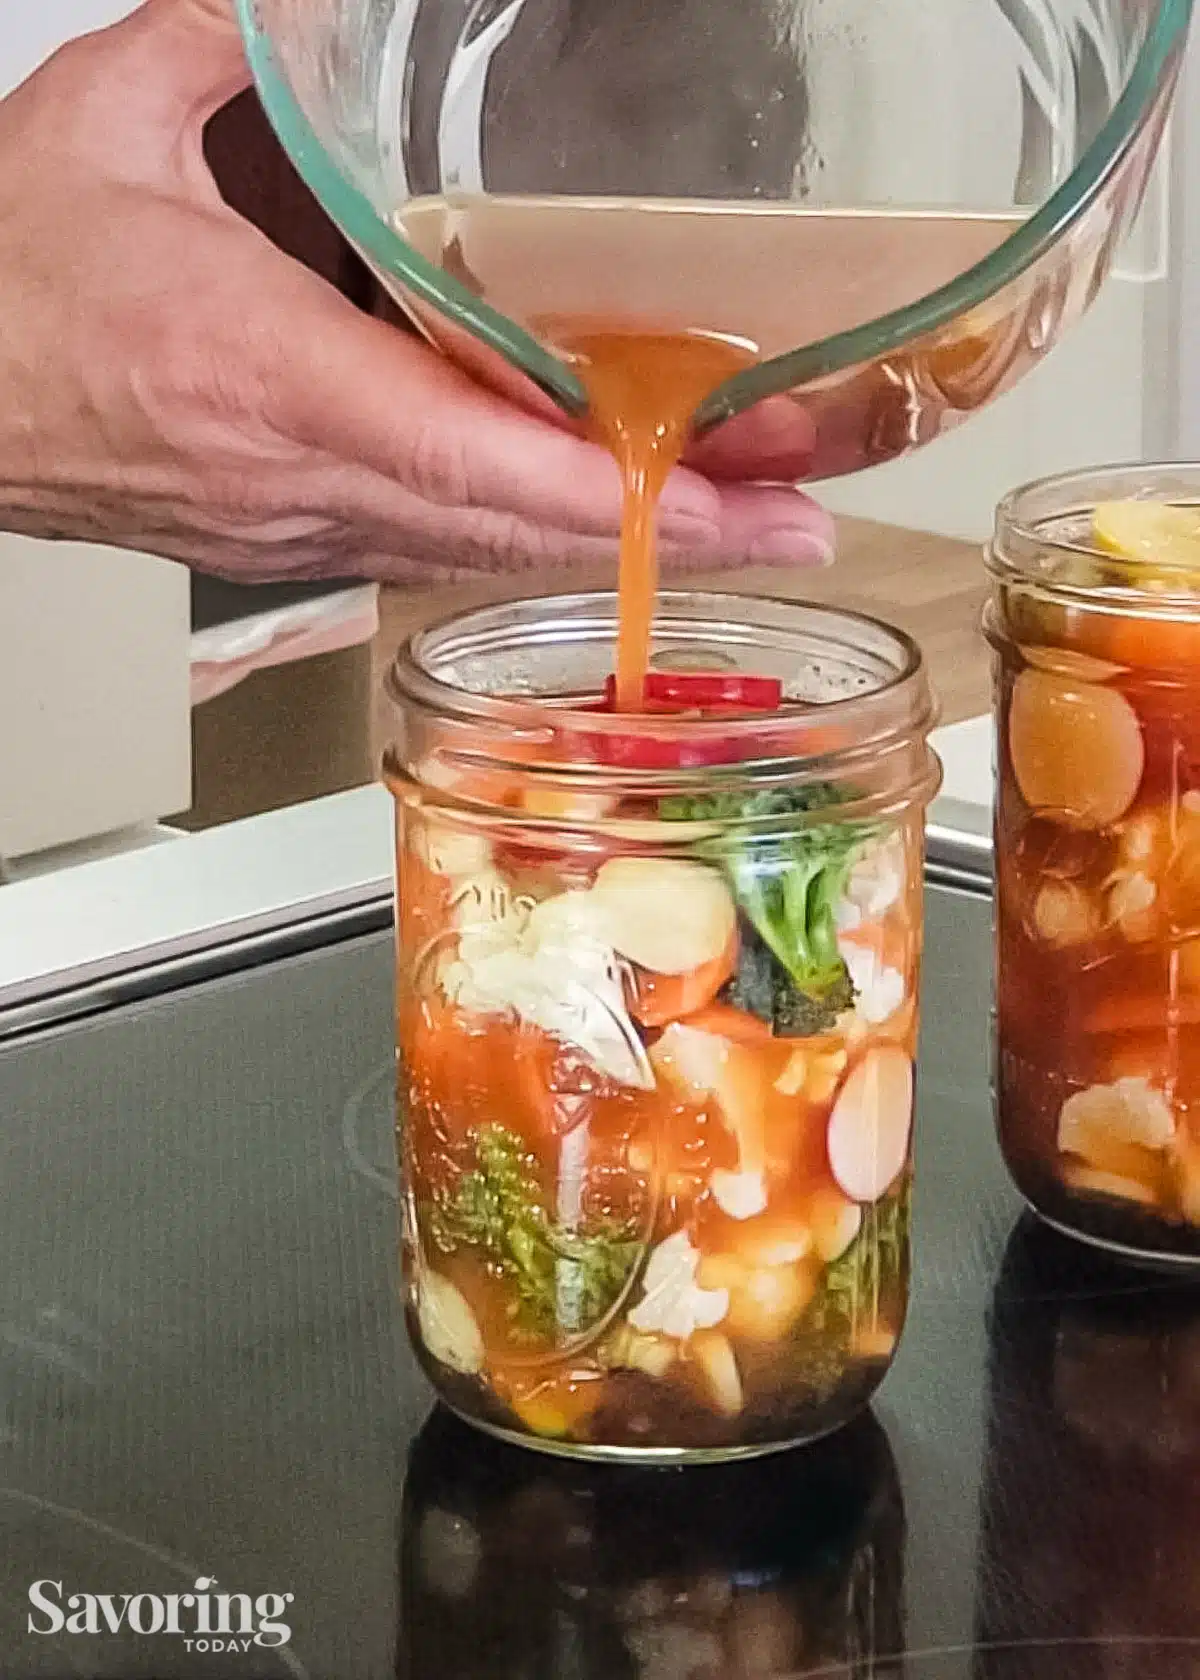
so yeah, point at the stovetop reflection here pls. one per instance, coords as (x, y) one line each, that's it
(1090, 1519)
(517, 1565)
(1088, 1560)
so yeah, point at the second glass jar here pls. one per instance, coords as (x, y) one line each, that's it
(657, 1016)
(1098, 864)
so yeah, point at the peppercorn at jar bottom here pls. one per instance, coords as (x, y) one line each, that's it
(657, 1014)
(1096, 626)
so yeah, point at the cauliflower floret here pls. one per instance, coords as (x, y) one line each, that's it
(554, 975)
(879, 990)
(875, 884)
(674, 1303)
(1129, 1111)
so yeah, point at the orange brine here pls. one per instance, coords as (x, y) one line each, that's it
(657, 303)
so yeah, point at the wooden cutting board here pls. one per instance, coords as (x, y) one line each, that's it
(933, 587)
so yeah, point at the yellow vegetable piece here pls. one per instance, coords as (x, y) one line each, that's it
(1160, 536)
(541, 1416)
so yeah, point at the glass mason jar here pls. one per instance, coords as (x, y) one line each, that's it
(1097, 704)
(512, 1563)
(657, 1012)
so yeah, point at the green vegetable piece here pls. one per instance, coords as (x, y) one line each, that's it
(870, 1276)
(564, 1281)
(873, 1268)
(788, 886)
(763, 987)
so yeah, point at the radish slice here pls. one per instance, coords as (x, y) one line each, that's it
(871, 1122)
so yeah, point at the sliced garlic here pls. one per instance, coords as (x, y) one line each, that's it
(715, 1357)
(629, 1350)
(448, 850)
(668, 915)
(1130, 899)
(1129, 1111)
(835, 1222)
(1064, 914)
(741, 1195)
(1139, 838)
(824, 1073)
(448, 1326)
(792, 1080)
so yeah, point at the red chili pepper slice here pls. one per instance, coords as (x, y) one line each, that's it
(705, 690)
(699, 694)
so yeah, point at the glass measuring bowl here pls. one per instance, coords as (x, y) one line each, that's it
(1097, 669)
(656, 1019)
(896, 208)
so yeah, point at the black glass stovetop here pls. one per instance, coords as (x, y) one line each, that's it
(204, 1390)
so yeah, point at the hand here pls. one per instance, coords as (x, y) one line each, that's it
(170, 381)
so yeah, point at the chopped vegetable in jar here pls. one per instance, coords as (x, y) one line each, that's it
(658, 1112)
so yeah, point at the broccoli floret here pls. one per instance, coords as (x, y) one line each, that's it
(787, 885)
(763, 987)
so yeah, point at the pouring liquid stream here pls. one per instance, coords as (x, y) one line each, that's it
(656, 303)
(643, 389)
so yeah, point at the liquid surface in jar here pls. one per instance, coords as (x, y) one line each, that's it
(1099, 897)
(657, 303)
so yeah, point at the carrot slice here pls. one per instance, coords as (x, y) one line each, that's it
(658, 999)
(724, 1021)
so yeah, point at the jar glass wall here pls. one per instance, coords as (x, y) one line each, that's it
(1095, 624)
(657, 1013)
